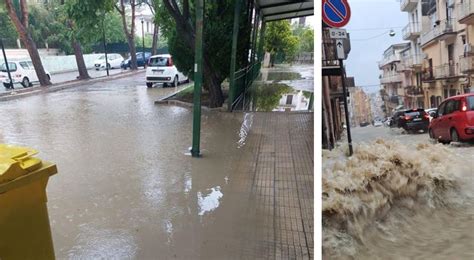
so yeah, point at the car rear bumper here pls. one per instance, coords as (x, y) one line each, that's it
(160, 79)
(467, 133)
(423, 125)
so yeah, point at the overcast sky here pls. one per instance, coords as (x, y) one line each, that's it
(369, 14)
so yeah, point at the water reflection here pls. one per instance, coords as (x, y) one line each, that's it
(277, 97)
(209, 202)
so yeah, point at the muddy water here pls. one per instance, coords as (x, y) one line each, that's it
(400, 197)
(125, 187)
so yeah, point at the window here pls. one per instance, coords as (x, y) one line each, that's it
(289, 99)
(470, 103)
(441, 109)
(11, 67)
(159, 62)
(24, 65)
(30, 64)
(452, 106)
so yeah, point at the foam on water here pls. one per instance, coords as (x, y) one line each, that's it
(382, 178)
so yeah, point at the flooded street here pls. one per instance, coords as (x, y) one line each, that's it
(126, 188)
(400, 197)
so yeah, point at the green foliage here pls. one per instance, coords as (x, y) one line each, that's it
(306, 38)
(279, 39)
(7, 30)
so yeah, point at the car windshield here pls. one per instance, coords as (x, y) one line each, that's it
(158, 62)
(101, 57)
(414, 113)
(11, 66)
(470, 103)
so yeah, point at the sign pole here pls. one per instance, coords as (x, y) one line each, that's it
(197, 80)
(346, 109)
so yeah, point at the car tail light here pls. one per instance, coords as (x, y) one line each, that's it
(426, 116)
(170, 62)
(407, 117)
(463, 106)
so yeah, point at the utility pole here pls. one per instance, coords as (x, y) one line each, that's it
(197, 80)
(346, 109)
(6, 65)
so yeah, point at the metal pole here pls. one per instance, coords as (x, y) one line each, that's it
(6, 64)
(143, 45)
(262, 39)
(346, 109)
(233, 57)
(197, 80)
(105, 46)
(311, 101)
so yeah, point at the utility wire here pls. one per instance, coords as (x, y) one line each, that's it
(378, 35)
(373, 29)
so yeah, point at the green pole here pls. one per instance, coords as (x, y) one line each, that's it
(311, 100)
(197, 80)
(262, 39)
(233, 57)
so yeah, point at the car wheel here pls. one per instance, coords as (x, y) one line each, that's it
(175, 82)
(454, 135)
(25, 82)
(165, 85)
(149, 84)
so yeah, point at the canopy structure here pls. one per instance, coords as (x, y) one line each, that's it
(274, 10)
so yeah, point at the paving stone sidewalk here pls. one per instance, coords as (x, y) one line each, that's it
(276, 169)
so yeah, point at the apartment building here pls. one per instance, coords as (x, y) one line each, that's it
(465, 16)
(445, 42)
(392, 77)
(360, 107)
(412, 57)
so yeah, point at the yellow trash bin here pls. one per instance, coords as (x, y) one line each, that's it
(24, 221)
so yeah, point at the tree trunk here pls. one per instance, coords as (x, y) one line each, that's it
(27, 40)
(154, 45)
(213, 83)
(81, 65)
(129, 35)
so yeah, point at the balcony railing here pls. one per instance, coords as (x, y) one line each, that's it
(443, 27)
(411, 31)
(466, 12)
(408, 5)
(391, 78)
(428, 74)
(466, 64)
(415, 91)
(412, 61)
(446, 71)
(389, 59)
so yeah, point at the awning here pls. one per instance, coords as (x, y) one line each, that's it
(274, 10)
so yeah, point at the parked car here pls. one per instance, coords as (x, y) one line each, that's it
(454, 120)
(364, 124)
(114, 60)
(21, 71)
(161, 70)
(414, 120)
(378, 123)
(141, 61)
(395, 119)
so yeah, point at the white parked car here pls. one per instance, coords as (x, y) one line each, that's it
(114, 60)
(21, 71)
(161, 70)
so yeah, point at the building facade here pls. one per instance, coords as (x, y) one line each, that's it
(361, 110)
(392, 77)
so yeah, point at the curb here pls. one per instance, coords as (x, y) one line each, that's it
(164, 101)
(61, 86)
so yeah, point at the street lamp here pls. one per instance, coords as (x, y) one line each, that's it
(143, 44)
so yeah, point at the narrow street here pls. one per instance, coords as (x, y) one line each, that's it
(427, 221)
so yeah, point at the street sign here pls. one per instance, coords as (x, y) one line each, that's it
(337, 33)
(336, 13)
(340, 49)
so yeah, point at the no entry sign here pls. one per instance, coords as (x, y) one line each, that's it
(336, 13)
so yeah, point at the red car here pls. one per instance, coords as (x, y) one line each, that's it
(454, 120)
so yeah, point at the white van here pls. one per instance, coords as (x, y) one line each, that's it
(114, 61)
(21, 71)
(161, 70)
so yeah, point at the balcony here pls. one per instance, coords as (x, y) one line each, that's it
(466, 64)
(413, 61)
(411, 31)
(408, 5)
(393, 99)
(428, 74)
(446, 71)
(442, 31)
(414, 91)
(388, 60)
(466, 12)
(391, 78)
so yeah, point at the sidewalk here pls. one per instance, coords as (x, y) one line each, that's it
(277, 172)
(25, 92)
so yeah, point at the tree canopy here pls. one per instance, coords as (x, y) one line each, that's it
(279, 39)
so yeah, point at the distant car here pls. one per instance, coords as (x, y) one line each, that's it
(364, 124)
(454, 120)
(378, 123)
(414, 120)
(141, 61)
(161, 70)
(22, 72)
(114, 61)
(431, 112)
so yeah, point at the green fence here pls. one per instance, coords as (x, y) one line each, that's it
(243, 80)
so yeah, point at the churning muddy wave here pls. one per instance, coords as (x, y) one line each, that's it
(380, 179)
